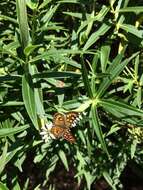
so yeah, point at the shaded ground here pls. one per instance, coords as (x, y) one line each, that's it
(131, 178)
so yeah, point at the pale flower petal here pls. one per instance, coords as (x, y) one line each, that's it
(45, 132)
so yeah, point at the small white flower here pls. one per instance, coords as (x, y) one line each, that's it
(46, 133)
(48, 126)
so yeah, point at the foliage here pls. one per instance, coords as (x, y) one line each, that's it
(63, 56)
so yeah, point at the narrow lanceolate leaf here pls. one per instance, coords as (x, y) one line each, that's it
(3, 158)
(16, 185)
(105, 51)
(37, 92)
(139, 97)
(134, 9)
(85, 78)
(113, 70)
(56, 74)
(4, 17)
(23, 23)
(96, 35)
(99, 17)
(97, 128)
(29, 98)
(121, 107)
(109, 180)
(133, 148)
(132, 29)
(11, 131)
(64, 159)
(122, 116)
(47, 17)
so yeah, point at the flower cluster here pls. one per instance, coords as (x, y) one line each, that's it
(45, 132)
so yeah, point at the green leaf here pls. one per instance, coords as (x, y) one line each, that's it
(38, 94)
(109, 180)
(96, 35)
(26, 184)
(44, 3)
(81, 159)
(113, 70)
(47, 17)
(89, 179)
(32, 4)
(11, 103)
(11, 131)
(132, 29)
(12, 153)
(74, 14)
(136, 67)
(139, 97)
(58, 54)
(105, 51)
(3, 158)
(57, 75)
(121, 107)
(99, 17)
(133, 148)
(38, 187)
(29, 98)
(19, 162)
(3, 186)
(30, 48)
(113, 129)
(4, 17)
(9, 78)
(97, 128)
(134, 9)
(63, 159)
(15, 183)
(69, 1)
(23, 23)
(85, 78)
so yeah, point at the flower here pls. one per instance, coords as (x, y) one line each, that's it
(45, 132)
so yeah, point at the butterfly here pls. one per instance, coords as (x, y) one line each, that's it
(62, 123)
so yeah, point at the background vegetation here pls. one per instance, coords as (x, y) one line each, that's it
(83, 55)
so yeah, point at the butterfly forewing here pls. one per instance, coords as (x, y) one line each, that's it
(71, 119)
(59, 120)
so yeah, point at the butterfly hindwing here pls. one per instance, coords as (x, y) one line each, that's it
(57, 131)
(62, 132)
(68, 136)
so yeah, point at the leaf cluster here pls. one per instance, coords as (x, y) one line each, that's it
(70, 55)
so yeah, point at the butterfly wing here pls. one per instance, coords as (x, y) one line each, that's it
(57, 131)
(59, 120)
(62, 124)
(71, 119)
(68, 136)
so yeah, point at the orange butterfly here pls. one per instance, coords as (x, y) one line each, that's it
(62, 124)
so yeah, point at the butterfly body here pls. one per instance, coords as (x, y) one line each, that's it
(62, 123)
